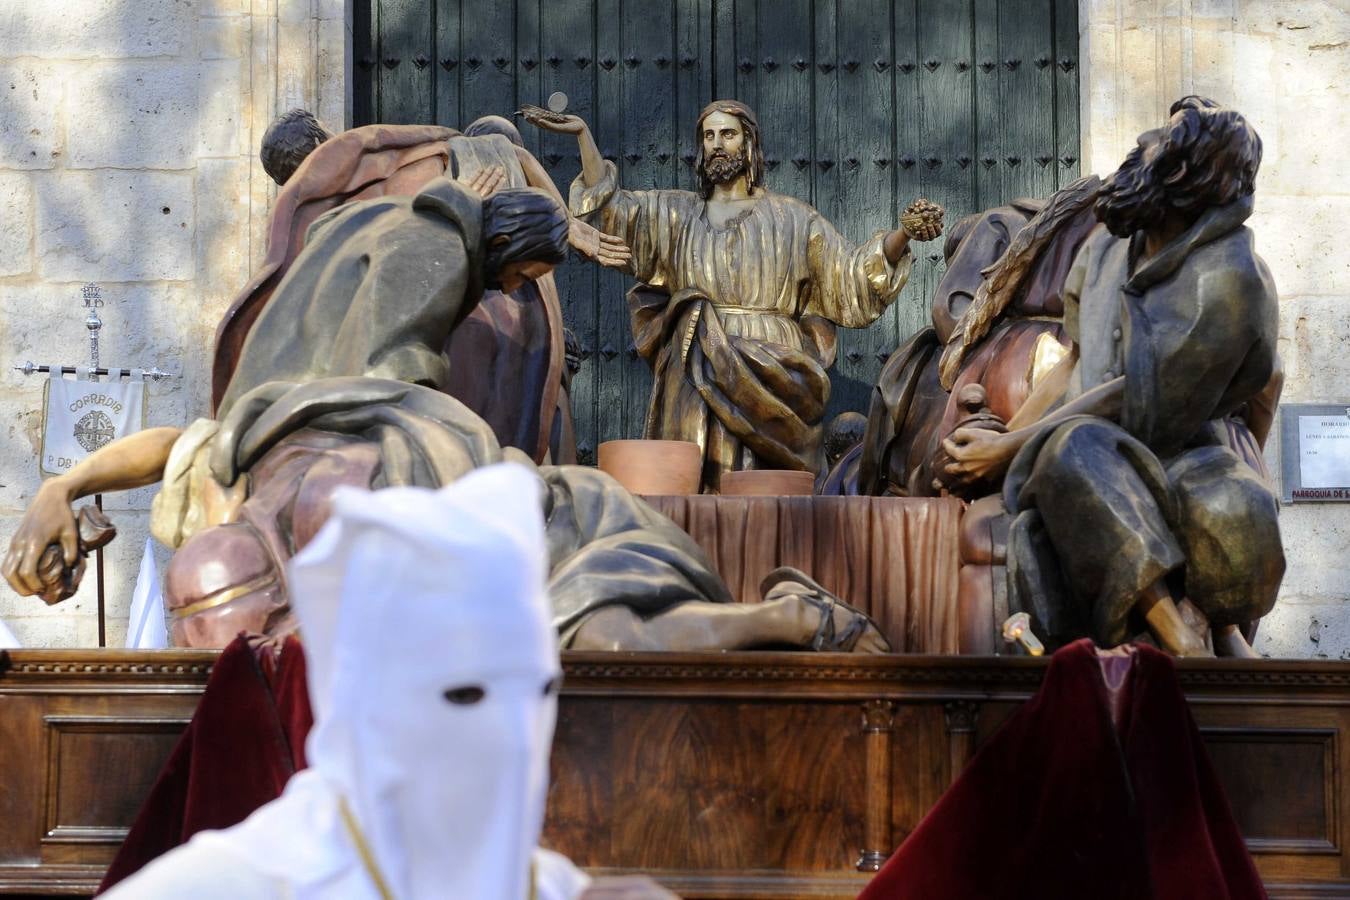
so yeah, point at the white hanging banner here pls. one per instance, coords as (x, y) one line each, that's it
(7, 639)
(145, 626)
(82, 416)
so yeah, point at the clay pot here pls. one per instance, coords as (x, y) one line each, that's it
(768, 483)
(654, 468)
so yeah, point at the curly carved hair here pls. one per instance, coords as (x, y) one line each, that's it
(288, 140)
(1207, 156)
(1221, 150)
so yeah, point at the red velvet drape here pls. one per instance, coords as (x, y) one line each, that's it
(244, 742)
(1061, 804)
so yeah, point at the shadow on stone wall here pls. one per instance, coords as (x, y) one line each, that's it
(123, 145)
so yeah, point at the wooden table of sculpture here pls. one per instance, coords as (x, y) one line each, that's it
(508, 355)
(340, 382)
(1131, 464)
(739, 295)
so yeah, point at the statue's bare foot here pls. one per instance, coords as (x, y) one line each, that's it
(1228, 641)
(1169, 624)
(1175, 636)
(1182, 642)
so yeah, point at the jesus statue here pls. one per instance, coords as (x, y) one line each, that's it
(743, 290)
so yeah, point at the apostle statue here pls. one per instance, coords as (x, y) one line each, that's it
(741, 291)
(509, 354)
(1131, 505)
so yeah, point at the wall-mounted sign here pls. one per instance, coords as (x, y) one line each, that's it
(1315, 451)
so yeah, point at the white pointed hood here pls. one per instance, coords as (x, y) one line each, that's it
(431, 659)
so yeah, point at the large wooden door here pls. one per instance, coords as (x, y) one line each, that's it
(863, 104)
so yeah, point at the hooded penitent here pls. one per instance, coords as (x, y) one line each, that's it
(432, 666)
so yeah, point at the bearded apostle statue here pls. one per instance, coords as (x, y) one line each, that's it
(741, 290)
(1129, 470)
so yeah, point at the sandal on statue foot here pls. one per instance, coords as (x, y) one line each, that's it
(828, 638)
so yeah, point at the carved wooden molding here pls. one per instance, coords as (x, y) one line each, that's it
(51, 879)
(918, 676)
(60, 726)
(1278, 890)
(878, 718)
(847, 676)
(982, 675)
(51, 668)
(961, 716)
(759, 885)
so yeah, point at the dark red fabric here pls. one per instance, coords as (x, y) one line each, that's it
(244, 742)
(1059, 804)
(285, 674)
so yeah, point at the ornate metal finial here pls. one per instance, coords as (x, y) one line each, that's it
(93, 299)
(92, 296)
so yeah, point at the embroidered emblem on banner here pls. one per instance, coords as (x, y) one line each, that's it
(94, 430)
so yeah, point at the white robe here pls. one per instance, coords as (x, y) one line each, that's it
(223, 865)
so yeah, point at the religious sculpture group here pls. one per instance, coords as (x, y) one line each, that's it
(1098, 382)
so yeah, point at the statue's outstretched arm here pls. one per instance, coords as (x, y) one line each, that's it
(921, 221)
(130, 462)
(894, 245)
(587, 240)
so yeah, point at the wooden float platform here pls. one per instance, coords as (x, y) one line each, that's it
(735, 775)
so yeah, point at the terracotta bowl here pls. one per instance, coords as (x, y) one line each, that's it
(655, 468)
(768, 483)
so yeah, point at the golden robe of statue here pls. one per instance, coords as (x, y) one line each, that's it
(737, 321)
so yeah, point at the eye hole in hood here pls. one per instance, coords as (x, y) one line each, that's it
(465, 695)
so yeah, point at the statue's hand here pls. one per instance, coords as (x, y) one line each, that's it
(976, 454)
(630, 887)
(558, 123)
(486, 182)
(49, 520)
(922, 220)
(592, 243)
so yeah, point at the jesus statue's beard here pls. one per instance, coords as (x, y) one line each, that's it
(1133, 197)
(723, 169)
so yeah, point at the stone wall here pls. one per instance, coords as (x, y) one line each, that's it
(128, 130)
(128, 139)
(1283, 64)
